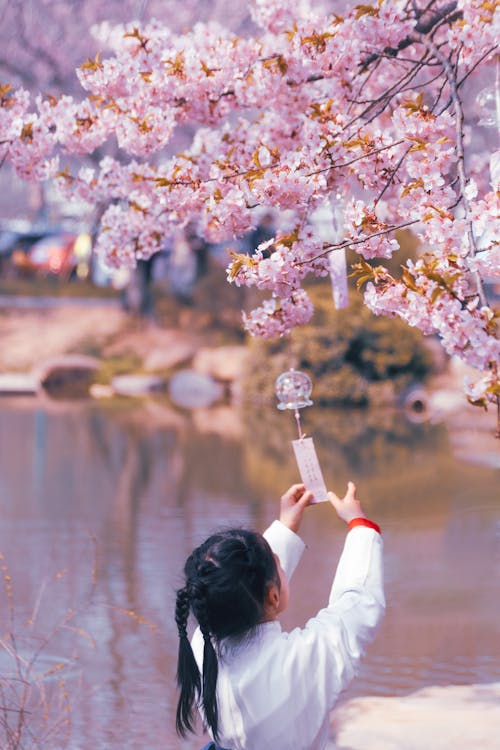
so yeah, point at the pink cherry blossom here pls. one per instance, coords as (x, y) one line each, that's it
(370, 105)
(278, 316)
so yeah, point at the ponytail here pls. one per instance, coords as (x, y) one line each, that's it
(188, 675)
(210, 665)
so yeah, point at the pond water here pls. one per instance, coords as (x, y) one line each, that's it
(101, 505)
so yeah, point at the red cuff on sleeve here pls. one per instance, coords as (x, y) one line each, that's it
(364, 522)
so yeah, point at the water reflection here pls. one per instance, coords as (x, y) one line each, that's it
(101, 506)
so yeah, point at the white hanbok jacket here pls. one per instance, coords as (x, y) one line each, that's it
(275, 691)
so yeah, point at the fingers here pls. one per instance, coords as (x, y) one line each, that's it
(349, 495)
(349, 506)
(293, 504)
(294, 492)
(297, 495)
(334, 499)
(297, 489)
(351, 491)
(306, 498)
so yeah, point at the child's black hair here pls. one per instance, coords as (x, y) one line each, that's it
(226, 583)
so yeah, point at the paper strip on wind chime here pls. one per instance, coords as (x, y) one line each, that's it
(328, 222)
(338, 275)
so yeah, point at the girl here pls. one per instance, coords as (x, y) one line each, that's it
(257, 687)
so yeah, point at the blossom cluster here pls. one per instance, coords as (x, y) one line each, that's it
(367, 106)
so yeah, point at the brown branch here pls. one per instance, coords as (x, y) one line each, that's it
(355, 159)
(365, 81)
(423, 27)
(392, 176)
(481, 59)
(331, 247)
(384, 99)
(462, 177)
(459, 142)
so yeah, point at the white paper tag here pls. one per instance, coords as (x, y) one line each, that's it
(309, 468)
(338, 275)
(495, 169)
(328, 221)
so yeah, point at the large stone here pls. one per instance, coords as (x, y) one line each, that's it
(225, 363)
(100, 390)
(137, 385)
(68, 375)
(194, 390)
(434, 718)
(170, 356)
(18, 384)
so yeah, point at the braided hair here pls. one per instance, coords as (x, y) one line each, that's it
(226, 584)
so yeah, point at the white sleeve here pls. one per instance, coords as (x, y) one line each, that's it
(360, 565)
(357, 601)
(286, 544)
(332, 643)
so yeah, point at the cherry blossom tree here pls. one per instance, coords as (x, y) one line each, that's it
(371, 111)
(43, 41)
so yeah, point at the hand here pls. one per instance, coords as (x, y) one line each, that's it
(349, 506)
(292, 506)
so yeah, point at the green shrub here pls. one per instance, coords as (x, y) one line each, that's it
(353, 357)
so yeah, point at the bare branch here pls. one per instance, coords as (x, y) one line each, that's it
(459, 118)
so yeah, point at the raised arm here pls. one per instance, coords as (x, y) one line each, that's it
(342, 630)
(282, 535)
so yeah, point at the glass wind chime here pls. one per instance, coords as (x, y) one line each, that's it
(293, 390)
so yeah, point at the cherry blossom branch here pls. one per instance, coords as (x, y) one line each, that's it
(387, 96)
(355, 159)
(445, 14)
(422, 85)
(270, 167)
(452, 82)
(365, 82)
(460, 152)
(476, 65)
(331, 247)
(393, 173)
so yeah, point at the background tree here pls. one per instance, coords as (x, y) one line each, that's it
(42, 42)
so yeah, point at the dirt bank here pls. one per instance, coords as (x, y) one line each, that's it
(457, 717)
(30, 336)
